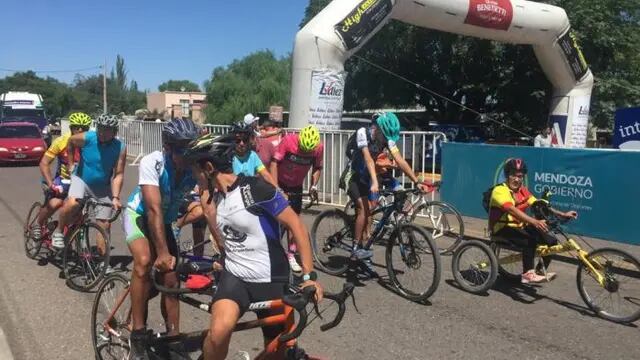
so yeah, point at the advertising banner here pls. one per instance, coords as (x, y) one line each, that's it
(361, 21)
(582, 180)
(569, 46)
(492, 14)
(579, 123)
(626, 129)
(327, 95)
(558, 125)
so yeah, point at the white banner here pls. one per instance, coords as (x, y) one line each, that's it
(327, 96)
(579, 123)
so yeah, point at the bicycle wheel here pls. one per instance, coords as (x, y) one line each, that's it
(84, 266)
(474, 266)
(413, 264)
(510, 270)
(111, 319)
(444, 222)
(31, 245)
(332, 240)
(618, 299)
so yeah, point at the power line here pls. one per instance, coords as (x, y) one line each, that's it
(54, 71)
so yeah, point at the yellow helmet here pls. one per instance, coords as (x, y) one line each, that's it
(309, 138)
(79, 119)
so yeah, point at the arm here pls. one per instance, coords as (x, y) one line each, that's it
(118, 177)
(315, 176)
(371, 167)
(569, 214)
(403, 165)
(152, 200)
(267, 177)
(45, 169)
(75, 141)
(522, 216)
(208, 207)
(273, 171)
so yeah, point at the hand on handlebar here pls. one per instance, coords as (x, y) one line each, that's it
(165, 262)
(117, 205)
(319, 291)
(541, 225)
(570, 214)
(56, 189)
(424, 188)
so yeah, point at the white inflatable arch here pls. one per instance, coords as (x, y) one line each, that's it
(339, 30)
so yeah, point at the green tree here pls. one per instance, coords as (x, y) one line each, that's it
(178, 85)
(58, 97)
(247, 85)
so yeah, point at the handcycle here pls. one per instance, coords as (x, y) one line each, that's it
(603, 275)
(442, 219)
(412, 259)
(111, 325)
(83, 263)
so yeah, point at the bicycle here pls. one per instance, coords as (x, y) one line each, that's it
(111, 333)
(408, 249)
(604, 271)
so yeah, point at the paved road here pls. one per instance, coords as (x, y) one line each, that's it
(43, 319)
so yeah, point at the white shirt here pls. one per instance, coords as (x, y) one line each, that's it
(542, 141)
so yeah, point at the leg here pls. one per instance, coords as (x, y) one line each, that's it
(543, 238)
(363, 213)
(224, 316)
(100, 242)
(140, 283)
(170, 306)
(49, 209)
(67, 212)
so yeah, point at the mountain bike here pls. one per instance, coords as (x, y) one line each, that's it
(411, 257)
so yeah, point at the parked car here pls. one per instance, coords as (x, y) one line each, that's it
(21, 142)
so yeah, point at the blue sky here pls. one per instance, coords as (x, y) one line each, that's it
(159, 39)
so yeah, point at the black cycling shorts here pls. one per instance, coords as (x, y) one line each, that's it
(358, 188)
(295, 201)
(172, 244)
(244, 293)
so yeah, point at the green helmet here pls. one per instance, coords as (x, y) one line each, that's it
(390, 125)
(309, 138)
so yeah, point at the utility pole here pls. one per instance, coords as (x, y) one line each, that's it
(104, 86)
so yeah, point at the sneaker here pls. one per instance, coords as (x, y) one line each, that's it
(57, 240)
(36, 232)
(138, 345)
(550, 275)
(361, 254)
(369, 269)
(530, 277)
(108, 269)
(295, 267)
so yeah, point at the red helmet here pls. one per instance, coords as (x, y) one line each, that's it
(514, 165)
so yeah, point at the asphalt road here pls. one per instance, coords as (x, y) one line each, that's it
(44, 319)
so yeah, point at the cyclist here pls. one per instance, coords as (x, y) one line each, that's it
(164, 180)
(296, 154)
(99, 175)
(268, 141)
(508, 219)
(59, 185)
(246, 162)
(369, 143)
(248, 211)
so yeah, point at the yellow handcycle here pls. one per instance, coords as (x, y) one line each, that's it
(608, 279)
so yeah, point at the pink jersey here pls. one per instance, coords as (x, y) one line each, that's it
(293, 164)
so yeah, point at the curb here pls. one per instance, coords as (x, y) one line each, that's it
(5, 350)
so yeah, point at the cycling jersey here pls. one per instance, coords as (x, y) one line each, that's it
(97, 160)
(266, 147)
(59, 150)
(246, 218)
(502, 198)
(249, 165)
(157, 169)
(294, 164)
(364, 139)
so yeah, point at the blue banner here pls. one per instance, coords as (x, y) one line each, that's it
(626, 130)
(601, 185)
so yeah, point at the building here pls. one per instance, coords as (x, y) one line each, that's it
(174, 104)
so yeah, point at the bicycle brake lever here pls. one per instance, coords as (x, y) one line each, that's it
(315, 308)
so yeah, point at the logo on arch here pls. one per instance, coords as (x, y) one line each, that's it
(492, 14)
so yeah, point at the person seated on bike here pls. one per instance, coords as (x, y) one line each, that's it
(99, 175)
(58, 186)
(245, 161)
(248, 214)
(294, 157)
(363, 186)
(164, 180)
(508, 219)
(384, 169)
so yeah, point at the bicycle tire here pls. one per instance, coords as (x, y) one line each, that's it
(478, 275)
(77, 258)
(511, 271)
(631, 266)
(426, 246)
(323, 242)
(97, 328)
(447, 228)
(32, 247)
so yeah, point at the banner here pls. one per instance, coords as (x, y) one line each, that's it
(327, 95)
(558, 124)
(361, 21)
(492, 14)
(626, 129)
(586, 181)
(569, 46)
(579, 122)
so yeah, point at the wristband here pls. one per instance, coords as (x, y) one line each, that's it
(313, 276)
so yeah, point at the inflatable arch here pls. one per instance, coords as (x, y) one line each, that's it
(340, 29)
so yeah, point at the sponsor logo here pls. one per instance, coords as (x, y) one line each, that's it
(330, 89)
(247, 197)
(573, 186)
(231, 234)
(492, 14)
(355, 16)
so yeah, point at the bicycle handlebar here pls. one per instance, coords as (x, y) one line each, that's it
(189, 268)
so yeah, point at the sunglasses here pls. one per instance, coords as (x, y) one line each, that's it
(242, 140)
(76, 127)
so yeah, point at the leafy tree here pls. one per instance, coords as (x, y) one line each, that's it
(247, 85)
(178, 85)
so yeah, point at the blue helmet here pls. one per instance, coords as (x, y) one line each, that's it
(178, 130)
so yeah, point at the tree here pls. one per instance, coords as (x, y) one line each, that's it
(247, 85)
(178, 85)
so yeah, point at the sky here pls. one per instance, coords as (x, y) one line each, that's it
(159, 40)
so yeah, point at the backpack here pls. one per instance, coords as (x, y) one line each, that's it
(351, 146)
(486, 198)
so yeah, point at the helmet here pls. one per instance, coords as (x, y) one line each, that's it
(513, 165)
(79, 119)
(240, 128)
(178, 130)
(309, 138)
(217, 149)
(390, 125)
(107, 120)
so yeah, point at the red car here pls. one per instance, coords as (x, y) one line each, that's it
(21, 142)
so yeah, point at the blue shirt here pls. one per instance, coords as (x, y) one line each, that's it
(97, 160)
(249, 165)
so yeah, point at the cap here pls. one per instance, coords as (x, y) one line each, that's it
(249, 118)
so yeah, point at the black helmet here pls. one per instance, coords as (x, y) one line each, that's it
(514, 165)
(219, 150)
(240, 128)
(178, 130)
